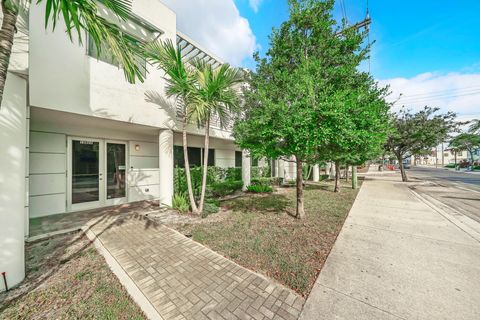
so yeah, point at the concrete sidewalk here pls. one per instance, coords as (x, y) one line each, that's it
(397, 258)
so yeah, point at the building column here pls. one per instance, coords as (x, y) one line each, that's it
(165, 165)
(333, 170)
(281, 168)
(246, 169)
(316, 173)
(13, 141)
(328, 169)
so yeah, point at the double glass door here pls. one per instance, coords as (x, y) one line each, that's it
(96, 173)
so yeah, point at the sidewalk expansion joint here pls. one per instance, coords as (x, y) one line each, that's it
(361, 301)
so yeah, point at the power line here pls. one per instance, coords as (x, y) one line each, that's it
(441, 92)
(440, 95)
(436, 98)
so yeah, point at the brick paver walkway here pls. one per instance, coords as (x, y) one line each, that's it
(184, 280)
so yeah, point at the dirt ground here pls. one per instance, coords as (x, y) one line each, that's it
(67, 279)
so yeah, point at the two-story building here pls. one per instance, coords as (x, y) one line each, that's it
(76, 135)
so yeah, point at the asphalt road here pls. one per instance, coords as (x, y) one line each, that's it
(442, 175)
(456, 190)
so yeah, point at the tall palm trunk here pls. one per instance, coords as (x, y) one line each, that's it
(205, 164)
(300, 214)
(337, 177)
(187, 166)
(6, 42)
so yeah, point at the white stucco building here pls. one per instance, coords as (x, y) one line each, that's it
(76, 135)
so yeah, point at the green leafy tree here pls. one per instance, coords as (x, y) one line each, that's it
(466, 141)
(180, 84)
(361, 122)
(412, 133)
(78, 16)
(214, 95)
(290, 105)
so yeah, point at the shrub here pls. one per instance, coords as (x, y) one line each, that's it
(450, 165)
(233, 174)
(209, 207)
(180, 202)
(324, 177)
(260, 181)
(222, 189)
(259, 188)
(261, 172)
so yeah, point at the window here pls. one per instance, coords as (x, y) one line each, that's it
(104, 54)
(211, 157)
(195, 157)
(238, 159)
(107, 57)
(254, 162)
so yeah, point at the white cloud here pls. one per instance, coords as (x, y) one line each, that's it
(457, 92)
(216, 25)
(255, 4)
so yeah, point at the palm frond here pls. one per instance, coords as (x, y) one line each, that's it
(80, 15)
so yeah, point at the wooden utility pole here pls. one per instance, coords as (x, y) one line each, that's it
(365, 23)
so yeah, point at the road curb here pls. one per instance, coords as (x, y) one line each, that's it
(464, 223)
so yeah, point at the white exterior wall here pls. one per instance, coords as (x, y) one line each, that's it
(48, 157)
(47, 174)
(13, 143)
(64, 78)
(224, 158)
(165, 147)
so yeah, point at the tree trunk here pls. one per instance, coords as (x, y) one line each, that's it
(471, 156)
(205, 165)
(300, 214)
(337, 177)
(7, 34)
(402, 169)
(187, 166)
(346, 173)
(354, 177)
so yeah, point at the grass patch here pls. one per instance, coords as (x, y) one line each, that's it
(67, 279)
(258, 232)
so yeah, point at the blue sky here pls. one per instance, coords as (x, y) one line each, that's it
(412, 37)
(426, 51)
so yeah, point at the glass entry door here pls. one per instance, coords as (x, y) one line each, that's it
(96, 173)
(116, 172)
(85, 173)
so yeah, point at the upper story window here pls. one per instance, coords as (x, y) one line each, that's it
(105, 55)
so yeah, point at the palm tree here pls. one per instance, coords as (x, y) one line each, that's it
(215, 95)
(78, 16)
(181, 86)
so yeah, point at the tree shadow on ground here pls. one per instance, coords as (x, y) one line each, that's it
(61, 249)
(274, 203)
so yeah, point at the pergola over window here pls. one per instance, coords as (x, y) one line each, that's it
(192, 50)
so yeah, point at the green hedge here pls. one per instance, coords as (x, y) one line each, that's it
(219, 180)
(222, 189)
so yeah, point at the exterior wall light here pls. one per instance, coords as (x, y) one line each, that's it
(137, 147)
